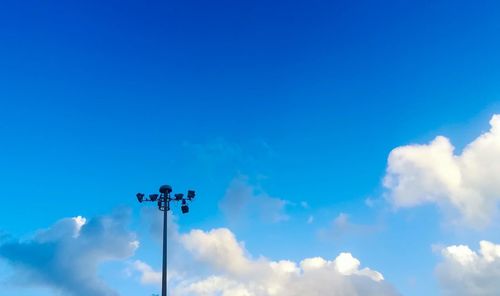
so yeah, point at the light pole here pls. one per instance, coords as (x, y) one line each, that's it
(163, 200)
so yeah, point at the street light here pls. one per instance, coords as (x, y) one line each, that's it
(163, 201)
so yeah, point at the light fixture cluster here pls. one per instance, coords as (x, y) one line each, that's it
(163, 199)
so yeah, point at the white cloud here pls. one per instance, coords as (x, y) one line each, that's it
(215, 263)
(464, 272)
(245, 200)
(66, 258)
(67, 255)
(468, 183)
(232, 271)
(148, 274)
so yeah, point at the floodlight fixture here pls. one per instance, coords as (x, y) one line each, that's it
(163, 201)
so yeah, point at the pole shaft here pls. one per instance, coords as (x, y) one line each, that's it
(164, 269)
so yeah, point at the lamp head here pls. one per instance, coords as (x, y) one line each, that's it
(140, 197)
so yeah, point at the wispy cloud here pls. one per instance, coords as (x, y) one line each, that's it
(342, 226)
(243, 200)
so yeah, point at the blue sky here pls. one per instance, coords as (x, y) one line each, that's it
(282, 113)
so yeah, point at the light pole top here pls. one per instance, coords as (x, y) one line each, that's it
(163, 199)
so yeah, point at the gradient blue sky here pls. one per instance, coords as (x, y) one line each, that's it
(305, 99)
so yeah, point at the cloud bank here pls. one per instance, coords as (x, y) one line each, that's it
(236, 273)
(467, 184)
(464, 272)
(67, 255)
(225, 268)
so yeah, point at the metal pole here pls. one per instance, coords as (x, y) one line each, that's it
(163, 201)
(164, 273)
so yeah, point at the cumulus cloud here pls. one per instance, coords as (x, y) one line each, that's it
(233, 272)
(67, 255)
(464, 272)
(467, 184)
(215, 263)
(243, 199)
